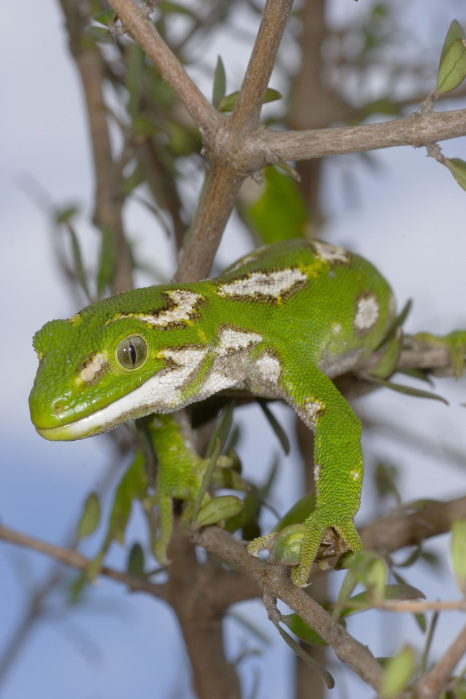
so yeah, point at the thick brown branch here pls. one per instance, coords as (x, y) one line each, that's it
(399, 530)
(276, 581)
(204, 236)
(137, 23)
(109, 198)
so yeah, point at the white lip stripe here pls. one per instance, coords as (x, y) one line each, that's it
(159, 394)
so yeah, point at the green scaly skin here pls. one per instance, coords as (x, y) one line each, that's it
(280, 322)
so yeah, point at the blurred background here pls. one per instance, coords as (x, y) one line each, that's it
(400, 209)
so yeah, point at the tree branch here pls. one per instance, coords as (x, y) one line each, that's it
(248, 106)
(109, 197)
(276, 581)
(139, 26)
(435, 681)
(77, 560)
(398, 530)
(264, 146)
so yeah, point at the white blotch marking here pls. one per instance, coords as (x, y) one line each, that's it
(92, 366)
(367, 312)
(236, 340)
(269, 369)
(337, 328)
(185, 303)
(355, 474)
(312, 408)
(183, 357)
(330, 253)
(272, 284)
(317, 469)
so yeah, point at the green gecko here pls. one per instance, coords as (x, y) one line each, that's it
(281, 323)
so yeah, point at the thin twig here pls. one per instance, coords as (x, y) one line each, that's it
(77, 560)
(248, 107)
(139, 26)
(412, 606)
(435, 681)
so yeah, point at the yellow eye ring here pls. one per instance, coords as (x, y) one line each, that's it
(131, 352)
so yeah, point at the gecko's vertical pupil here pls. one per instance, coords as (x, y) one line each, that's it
(132, 352)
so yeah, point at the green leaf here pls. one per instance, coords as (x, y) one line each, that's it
(367, 568)
(313, 664)
(227, 104)
(279, 213)
(220, 83)
(78, 260)
(398, 322)
(250, 507)
(174, 8)
(455, 32)
(458, 553)
(397, 673)
(135, 563)
(222, 430)
(276, 427)
(386, 476)
(107, 260)
(302, 630)
(457, 168)
(407, 390)
(106, 17)
(132, 486)
(64, 215)
(452, 69)
(90, 516)
(298, 513)
(221, 507)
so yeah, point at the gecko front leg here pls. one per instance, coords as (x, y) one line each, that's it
(338, 462)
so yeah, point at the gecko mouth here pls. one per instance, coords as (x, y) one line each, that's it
(161, 393)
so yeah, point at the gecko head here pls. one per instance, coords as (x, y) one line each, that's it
(93, 366)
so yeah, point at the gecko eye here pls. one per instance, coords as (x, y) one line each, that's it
(132, 352)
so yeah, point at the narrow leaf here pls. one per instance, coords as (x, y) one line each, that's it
(107, 260)
(220, 82)
(90, 516)
(397, 673)
(276, 427)
(298, 513)
(458, 553)
(313, 664)
(407, 390)
(457, 168)
(302, 630)
(455, 31)
(135, 563)
(452, 69)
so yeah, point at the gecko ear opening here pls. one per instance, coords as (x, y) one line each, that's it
(131, 352)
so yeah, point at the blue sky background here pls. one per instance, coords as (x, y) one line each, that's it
(408, 219)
